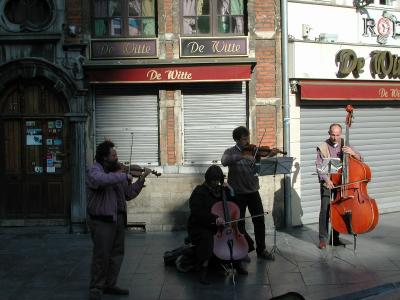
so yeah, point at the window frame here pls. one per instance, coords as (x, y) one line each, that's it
(213, 13)
(124, 17)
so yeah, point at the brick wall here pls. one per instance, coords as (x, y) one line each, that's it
(266, 121)
(264, 15)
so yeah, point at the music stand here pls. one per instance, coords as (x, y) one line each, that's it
(274, 166)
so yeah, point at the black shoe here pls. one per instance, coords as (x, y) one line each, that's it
(95, 294)
(338, 242)
(266, 255)
(114, 290)
(241, 269)
(203, 276)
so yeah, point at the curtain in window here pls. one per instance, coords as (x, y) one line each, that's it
(114, 8)
(237, 7)
(189, 7)
(134, 26)
(223, 7)
(238, 25)
(147, 8)
(149, 27)
(134, 7)
(100, 8)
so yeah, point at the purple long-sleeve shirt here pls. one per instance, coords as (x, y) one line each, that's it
(335, 151)
(107, 192)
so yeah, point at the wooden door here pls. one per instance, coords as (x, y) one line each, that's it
(34, 167)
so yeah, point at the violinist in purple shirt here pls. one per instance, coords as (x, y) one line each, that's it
(108, 189)
(333, 147)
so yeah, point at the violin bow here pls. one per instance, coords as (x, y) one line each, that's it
(259, 144)
(130, 155)
(244, 218)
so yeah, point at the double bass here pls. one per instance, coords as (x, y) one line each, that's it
(353, 211)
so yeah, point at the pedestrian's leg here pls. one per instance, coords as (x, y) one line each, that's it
(324, 214)
(256, 208)
(117, 253)
(241, 201)
(102, 234)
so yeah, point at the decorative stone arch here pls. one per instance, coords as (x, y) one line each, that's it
(37, 69)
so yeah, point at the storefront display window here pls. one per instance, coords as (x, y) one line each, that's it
(213, 17)
(124, 18)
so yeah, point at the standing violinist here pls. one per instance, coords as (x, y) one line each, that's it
(202, 223)
(107, 193)
(241, 170)
(333, 147)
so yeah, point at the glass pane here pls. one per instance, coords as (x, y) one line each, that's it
(39, 13)
(189, 7)
(149, 27)
(114, 8)
(237, 7)
(238, 25)
(189, 26)
(223, 7)
(203, 7)
(134, 8)
(134, 26)
(100, 8)
(147, 8)
(101, 27)
(223, 24)
(203, 24)
(116, 26)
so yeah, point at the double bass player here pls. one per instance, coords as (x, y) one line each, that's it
(333, 147)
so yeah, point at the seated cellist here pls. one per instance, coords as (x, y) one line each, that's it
(202, 224)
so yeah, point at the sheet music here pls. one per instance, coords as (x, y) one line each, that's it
(330, 165)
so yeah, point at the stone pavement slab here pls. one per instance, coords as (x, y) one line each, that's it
(48, 263)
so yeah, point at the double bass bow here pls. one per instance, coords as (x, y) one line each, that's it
(353, 211)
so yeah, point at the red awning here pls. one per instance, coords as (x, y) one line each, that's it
(349, 90)
(156, 74)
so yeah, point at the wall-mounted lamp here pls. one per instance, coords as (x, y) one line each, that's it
(305, 30)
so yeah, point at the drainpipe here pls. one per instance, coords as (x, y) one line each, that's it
(286, 110)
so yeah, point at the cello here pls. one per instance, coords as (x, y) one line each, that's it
(229, 243)
(353, 211)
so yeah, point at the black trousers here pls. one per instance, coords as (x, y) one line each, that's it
(324, 215)
(203, 240)
(253, 202)
(108, 251)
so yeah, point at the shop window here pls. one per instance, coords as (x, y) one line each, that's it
(213, 17)
(124, 18)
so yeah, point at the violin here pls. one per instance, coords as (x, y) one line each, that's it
(135, 170)
(262, 151)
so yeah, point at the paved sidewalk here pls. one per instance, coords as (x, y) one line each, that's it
(38, 265)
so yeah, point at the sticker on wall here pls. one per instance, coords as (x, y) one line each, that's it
(38, 169)
(50, 162)
(50, 124)
(50, 169)
(57, 142)
(33, 136)
(58, 123)
(30, 123)
(49, 142)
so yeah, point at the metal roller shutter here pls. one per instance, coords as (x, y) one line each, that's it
(375, 132)
(210, 113)
(116, 116)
